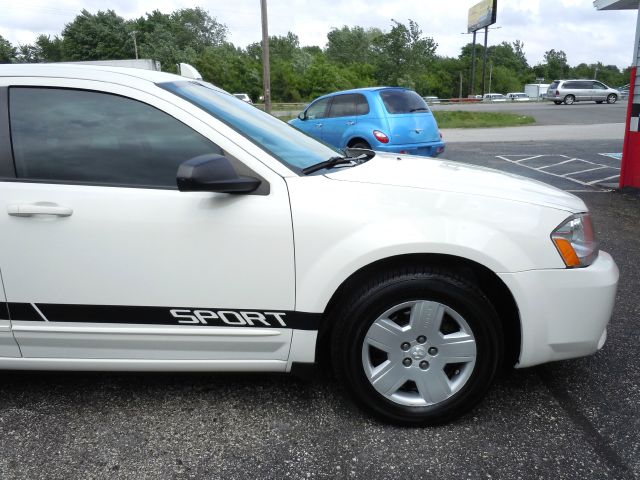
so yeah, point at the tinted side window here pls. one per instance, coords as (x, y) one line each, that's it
(362, 106)
(599, 86)
(570, 85)
(343, 106)
(84, 136)
(318, 109)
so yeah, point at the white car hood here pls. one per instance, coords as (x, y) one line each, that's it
(445, 175)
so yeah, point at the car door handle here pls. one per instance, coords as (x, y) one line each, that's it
(318, 125)
(39, 208)
(351, 123)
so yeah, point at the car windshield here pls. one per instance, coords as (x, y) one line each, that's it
(287, 144)
(403, 101)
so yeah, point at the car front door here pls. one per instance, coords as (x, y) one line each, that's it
(584, 91)
(103, 258)
(341, 118)
(314, 118)
(8, 345)
(599, 92)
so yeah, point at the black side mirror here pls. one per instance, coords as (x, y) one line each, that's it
(213, 173)
(302, 116)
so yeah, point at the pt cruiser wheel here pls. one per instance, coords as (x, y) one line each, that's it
(417, 348)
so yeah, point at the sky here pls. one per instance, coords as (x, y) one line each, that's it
(574, 26)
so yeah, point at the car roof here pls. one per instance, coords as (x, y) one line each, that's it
(119, 75)
(363, 90)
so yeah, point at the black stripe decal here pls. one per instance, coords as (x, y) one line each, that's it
(23, 311)
(206, 316)
(4, 311)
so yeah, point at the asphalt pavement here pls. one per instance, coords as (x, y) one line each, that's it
(575, 419)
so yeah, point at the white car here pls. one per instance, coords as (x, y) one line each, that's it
(244, 97)
(518, 97)
(157, 224)
(494, 97)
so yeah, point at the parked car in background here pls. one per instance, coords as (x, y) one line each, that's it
(386, 119)
(624, 91)
(571, 91)
(518, 97)
(244, 97)
(494, 97)
(431, 100)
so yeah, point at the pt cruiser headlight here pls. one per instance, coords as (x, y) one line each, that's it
(576, 241)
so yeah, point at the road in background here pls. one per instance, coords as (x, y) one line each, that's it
(547, 113)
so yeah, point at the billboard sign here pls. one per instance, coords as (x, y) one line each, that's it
(482, 15)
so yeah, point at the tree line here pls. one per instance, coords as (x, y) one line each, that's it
(353, 56)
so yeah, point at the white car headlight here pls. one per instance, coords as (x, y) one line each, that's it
(576, 241)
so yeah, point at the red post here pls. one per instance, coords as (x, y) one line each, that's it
(630, 170)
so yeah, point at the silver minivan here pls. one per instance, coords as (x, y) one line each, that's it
(570, 91)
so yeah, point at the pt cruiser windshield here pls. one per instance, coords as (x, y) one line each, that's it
(287, 144)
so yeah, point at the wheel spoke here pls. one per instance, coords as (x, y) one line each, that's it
(457, 347)
(388, 377)
(433, 386)
(426, 317)
(385, 335)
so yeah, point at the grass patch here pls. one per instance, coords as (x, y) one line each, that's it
(459, 119)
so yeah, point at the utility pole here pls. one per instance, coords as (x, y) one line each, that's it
(484, 61)
(460, 95)
(135, 44)
(490, 74)
(473, 66)
(266, 71)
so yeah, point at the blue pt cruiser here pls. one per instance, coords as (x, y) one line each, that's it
(387, 119)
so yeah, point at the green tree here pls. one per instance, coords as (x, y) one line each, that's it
(28, 54)
(7, 51)
(556, 65)
(349, 45)
(102, 36)
(230, 68)
(403, 54)
(49, 50)
(177, 37)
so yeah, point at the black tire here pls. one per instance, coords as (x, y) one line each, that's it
(569, 100)
(361, 144)
(557, 102)
(599, 101)
(355, 317)
(612, 98)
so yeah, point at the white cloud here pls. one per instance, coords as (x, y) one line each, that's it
(574, 26)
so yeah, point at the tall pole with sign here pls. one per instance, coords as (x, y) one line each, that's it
(481, 15)
(484, 61)
(472, 87)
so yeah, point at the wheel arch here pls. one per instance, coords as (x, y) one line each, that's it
(490, 284)
(356, 139)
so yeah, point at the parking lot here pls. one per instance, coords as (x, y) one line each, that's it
(575, 166)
